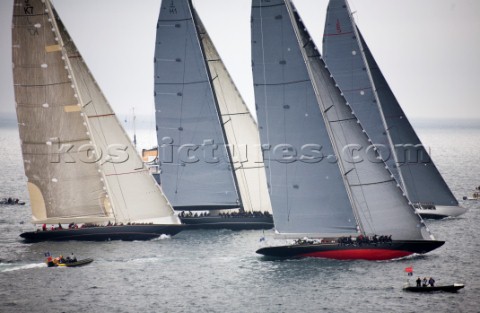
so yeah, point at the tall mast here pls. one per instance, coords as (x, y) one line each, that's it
(217, 108)
(134, 131)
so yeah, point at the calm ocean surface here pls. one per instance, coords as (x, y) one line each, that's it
(218, 271)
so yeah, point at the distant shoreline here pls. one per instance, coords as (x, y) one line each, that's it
(8, 121)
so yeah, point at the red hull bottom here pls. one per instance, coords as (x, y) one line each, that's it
(356, 254)
(372, 252)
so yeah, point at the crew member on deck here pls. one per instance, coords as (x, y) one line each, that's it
(419, 282)
(431, 282)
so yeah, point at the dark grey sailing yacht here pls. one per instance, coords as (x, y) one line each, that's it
(323, 186)
(366, 90)
(198, 113)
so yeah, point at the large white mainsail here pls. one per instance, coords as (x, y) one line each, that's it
(103, 178)
(240, 128)
(61, 186)
(356, 72)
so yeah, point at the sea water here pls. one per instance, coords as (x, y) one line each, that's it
(219, 271)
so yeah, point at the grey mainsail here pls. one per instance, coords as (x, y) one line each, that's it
(308, 194)
(96, 164)
(240, 128)
(281, 47)
(196, 169)
(354, 68)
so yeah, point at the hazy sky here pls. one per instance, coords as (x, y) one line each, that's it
(429, 50)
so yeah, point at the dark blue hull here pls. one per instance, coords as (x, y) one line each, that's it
(433, 216)
(233, 223)
(104, 233)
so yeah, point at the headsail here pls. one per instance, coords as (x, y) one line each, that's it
(61, 186)
(196, 170)
(351, 63)
(306, 188)
(240, 128)
(133, 193)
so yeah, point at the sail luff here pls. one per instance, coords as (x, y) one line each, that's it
(240, 129)
(196, 20)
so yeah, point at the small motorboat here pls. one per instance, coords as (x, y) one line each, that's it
(56, 262)
(11, 201)
(475, 196)
(445, 288)
(77, 263)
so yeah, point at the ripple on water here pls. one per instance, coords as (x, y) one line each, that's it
(219, 271)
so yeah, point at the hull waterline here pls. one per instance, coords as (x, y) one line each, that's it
(370, 252)
(105, 233)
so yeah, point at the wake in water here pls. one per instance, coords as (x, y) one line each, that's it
(24, 267)
(162, 237)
